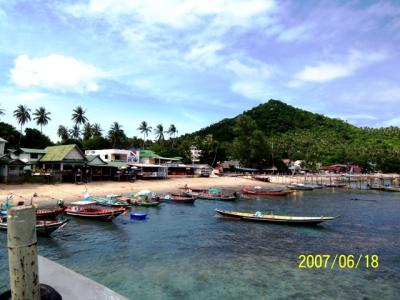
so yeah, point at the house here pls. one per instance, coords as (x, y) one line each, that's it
(11, 170)
(116, 155)
(98, 169)
(68, 161)
(150, 157)
(28, 155)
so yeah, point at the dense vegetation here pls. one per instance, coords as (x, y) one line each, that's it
(259, 138)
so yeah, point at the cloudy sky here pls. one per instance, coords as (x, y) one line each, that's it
(192, 63)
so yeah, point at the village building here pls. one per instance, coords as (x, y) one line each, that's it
(27, 155)
(11, 169)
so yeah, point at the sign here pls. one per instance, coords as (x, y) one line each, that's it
(133, 156)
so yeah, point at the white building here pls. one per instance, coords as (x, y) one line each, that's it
(131, 156)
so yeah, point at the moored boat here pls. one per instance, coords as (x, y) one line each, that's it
(216, 196)
(43, 227)
(300, 187)
(49, 213)
(138, 202)
(259, 217)
(184, 199)
(258, 191)
(111, 202)
(85, 209)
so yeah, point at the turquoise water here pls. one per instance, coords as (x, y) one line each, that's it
(185, 252)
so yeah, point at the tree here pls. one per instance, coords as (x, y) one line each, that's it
(78, 116)
(159, 132)
(116, 134)
(23, 116)
(96, 129)
(172, 131)
(145, 129)
(75, 132)
(33, 138)
(62, 132)
(41, 117)
(2, 113)
(87, 131)
(97, 142)
(10, 134)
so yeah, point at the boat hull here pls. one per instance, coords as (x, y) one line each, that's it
(215, 197)
(94, 214)
(49, 213)
(43, 228)
(289, 220)
(267, 193)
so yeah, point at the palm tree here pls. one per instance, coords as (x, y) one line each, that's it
(87, 131)
(96, 129)
(116, 133)
(41, 117)
(78, 116)
(145, 129)
(159, 132)
(2, 112)
(23, 116)
(75, 132)
(62, 132)
(172, 131)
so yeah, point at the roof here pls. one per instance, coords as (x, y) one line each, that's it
(95, 160)
(3, 140)
(30, 150)
(7, 160)
(58, 153)
(117, 164)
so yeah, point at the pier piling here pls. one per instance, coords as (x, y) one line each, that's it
(22, 253)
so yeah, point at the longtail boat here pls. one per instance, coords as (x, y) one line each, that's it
(85, 209)
(264, 192)
(391, 189)
(211, 196)
(174, 198)
(259, 217)
(49, 213)
(336, 185)
(138, 202)
(43, 228)
(104, 201)
(300, 187)
(196, 190)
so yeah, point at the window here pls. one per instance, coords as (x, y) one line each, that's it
(105, 156)
(34, 156)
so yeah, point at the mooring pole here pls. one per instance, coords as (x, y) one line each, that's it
(22, 253)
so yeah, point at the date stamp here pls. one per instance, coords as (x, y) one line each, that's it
(338, 261)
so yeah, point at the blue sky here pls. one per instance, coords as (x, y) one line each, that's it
(192, 63)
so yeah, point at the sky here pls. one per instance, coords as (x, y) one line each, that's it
(193, 63)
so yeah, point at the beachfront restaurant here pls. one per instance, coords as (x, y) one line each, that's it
(150, 171)
(64, 163)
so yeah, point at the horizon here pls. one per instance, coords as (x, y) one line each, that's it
(194, 64)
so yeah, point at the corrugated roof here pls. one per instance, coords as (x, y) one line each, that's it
(152, 154)
(117, 164)
(58, 153)
(92, 160)
(31, 150)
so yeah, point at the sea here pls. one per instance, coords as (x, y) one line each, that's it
(187, 252)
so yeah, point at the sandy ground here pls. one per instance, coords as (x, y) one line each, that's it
(49, 193)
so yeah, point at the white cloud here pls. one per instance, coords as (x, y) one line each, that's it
(252, 89)
(55, 72)
(249, 68)
(204, 54)
(326, 71)
(295, 33)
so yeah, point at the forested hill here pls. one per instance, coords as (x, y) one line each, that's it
(268, 132)
(274, 117)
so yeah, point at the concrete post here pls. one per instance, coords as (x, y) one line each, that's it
(22, 253)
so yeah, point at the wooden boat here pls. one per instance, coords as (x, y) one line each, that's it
(259, 217)
(376, 187)
(212, 196)
(391, 189)
(43, 227)
(336, 185)
(195, 190)
(263, 192)
(49, 213)
(138, 202)
(185, 199)
(86, 210)
(300, 187)
(104, 201)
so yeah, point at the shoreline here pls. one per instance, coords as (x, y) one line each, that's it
(49, 193)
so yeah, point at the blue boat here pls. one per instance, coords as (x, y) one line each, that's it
(138, 216)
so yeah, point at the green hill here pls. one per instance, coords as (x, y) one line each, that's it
(264, 134)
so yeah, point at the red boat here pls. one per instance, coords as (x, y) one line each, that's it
(90, 212)
(176, 198)
(49, 213)
(261, 192)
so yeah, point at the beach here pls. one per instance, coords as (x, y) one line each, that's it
(50, 193)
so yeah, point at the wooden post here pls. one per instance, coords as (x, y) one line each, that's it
(22, 253)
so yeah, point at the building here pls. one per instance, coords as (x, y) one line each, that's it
(28, 155)
(11, 170)
(107, 155)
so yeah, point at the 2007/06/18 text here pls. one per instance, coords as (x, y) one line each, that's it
(341, 261)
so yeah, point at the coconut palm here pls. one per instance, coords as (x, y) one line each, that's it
(87, 131)
(78, 116)
(159, 132)
(41, 117)
(2, 113)
(23, 116)
(62, 132)
(116, 134)
(75, 132)
(96, 129)
(172, 131)
(145, 129)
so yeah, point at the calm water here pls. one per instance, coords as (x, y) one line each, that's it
(185, 252)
